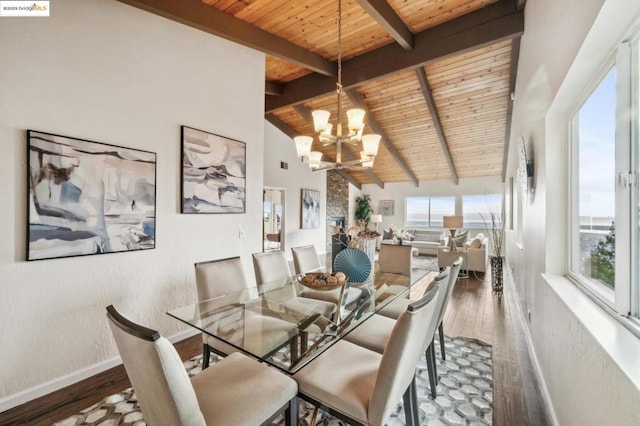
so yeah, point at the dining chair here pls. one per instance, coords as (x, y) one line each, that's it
(363, 387)
(261, 334)
(224, 394)
(395, 259)
(305, 259)
(375, 333)
(271, 266)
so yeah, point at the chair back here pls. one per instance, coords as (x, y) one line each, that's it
(395, 259)
(305, 259)
(217, 277)
(453, 277)
(442, 281)
(156, 372)
(270, 266)
(402, 352)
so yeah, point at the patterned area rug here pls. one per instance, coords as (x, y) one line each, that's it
(430, 263)
(464, 393)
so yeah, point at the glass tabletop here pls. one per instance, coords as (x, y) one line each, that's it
(273, 323)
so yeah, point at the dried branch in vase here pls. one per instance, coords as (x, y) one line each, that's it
(495, 229)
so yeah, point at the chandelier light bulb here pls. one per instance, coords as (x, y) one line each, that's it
(314, 159)
(303, 145)
(365, 156)
(356, 119)
(370, 144)
(320, 120)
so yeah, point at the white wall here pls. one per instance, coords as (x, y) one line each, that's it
(440, 188)
(104, 71)
(586, 378)
(298, 176)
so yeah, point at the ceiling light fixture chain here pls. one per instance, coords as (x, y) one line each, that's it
(323, 128)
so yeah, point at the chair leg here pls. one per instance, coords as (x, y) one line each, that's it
(291, 413)
(432, 370)
(433, 354)
(410, 405)
(416, 406)
(206, 354)
(441, 333)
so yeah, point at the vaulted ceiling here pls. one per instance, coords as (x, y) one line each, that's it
(436, 77)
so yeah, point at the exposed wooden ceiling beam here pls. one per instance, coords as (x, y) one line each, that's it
(357, 100)
(513, 72)
(199, 15)
(388, 19)
(287, 130)
(349, 179)
(435, 117)
(281, 125)
(272, 88)
(485, 26)
(306, 114)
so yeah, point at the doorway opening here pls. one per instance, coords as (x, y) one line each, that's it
(273, 219)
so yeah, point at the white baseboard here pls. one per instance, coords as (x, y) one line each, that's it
(46, 388)
(536, 365)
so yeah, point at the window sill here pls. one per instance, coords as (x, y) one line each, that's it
(612, 332)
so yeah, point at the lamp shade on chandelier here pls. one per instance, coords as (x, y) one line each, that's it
(324, 130)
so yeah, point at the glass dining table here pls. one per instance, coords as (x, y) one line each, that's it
(234, 318)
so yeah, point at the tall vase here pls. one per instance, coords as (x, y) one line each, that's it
(497, 275)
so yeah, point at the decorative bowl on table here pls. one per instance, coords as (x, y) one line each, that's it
(322, 280)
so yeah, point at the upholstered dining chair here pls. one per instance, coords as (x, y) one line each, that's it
(395, 259)
(219, 277)
(235, 391)
(363, 387)
(271, 266)
(375, 333)
(305, 259)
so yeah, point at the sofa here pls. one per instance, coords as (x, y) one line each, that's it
(474, 255)
(426, 241)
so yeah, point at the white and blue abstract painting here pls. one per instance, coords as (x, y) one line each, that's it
(88, 197)
(213, 173)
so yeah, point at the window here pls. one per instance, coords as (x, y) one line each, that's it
(595, 146)
(477, 209)
(423, 212)
(603, 222)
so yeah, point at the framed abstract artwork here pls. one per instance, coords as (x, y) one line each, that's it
(88, 197)
(213, 173)
(310, 209)
(386, 207)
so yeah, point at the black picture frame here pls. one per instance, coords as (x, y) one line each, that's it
(213, 173)
(86, 197)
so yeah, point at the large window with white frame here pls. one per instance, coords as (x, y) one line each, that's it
(603, 223)
(477, 210)
(424, 212)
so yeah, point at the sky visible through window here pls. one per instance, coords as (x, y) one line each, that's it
(477, 209)
(596, 172)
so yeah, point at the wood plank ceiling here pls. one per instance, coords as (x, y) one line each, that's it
(435, 76)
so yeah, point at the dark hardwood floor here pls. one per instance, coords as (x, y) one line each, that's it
(473, 312)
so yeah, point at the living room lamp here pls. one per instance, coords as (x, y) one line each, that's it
(376, 219)
(452, 223)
